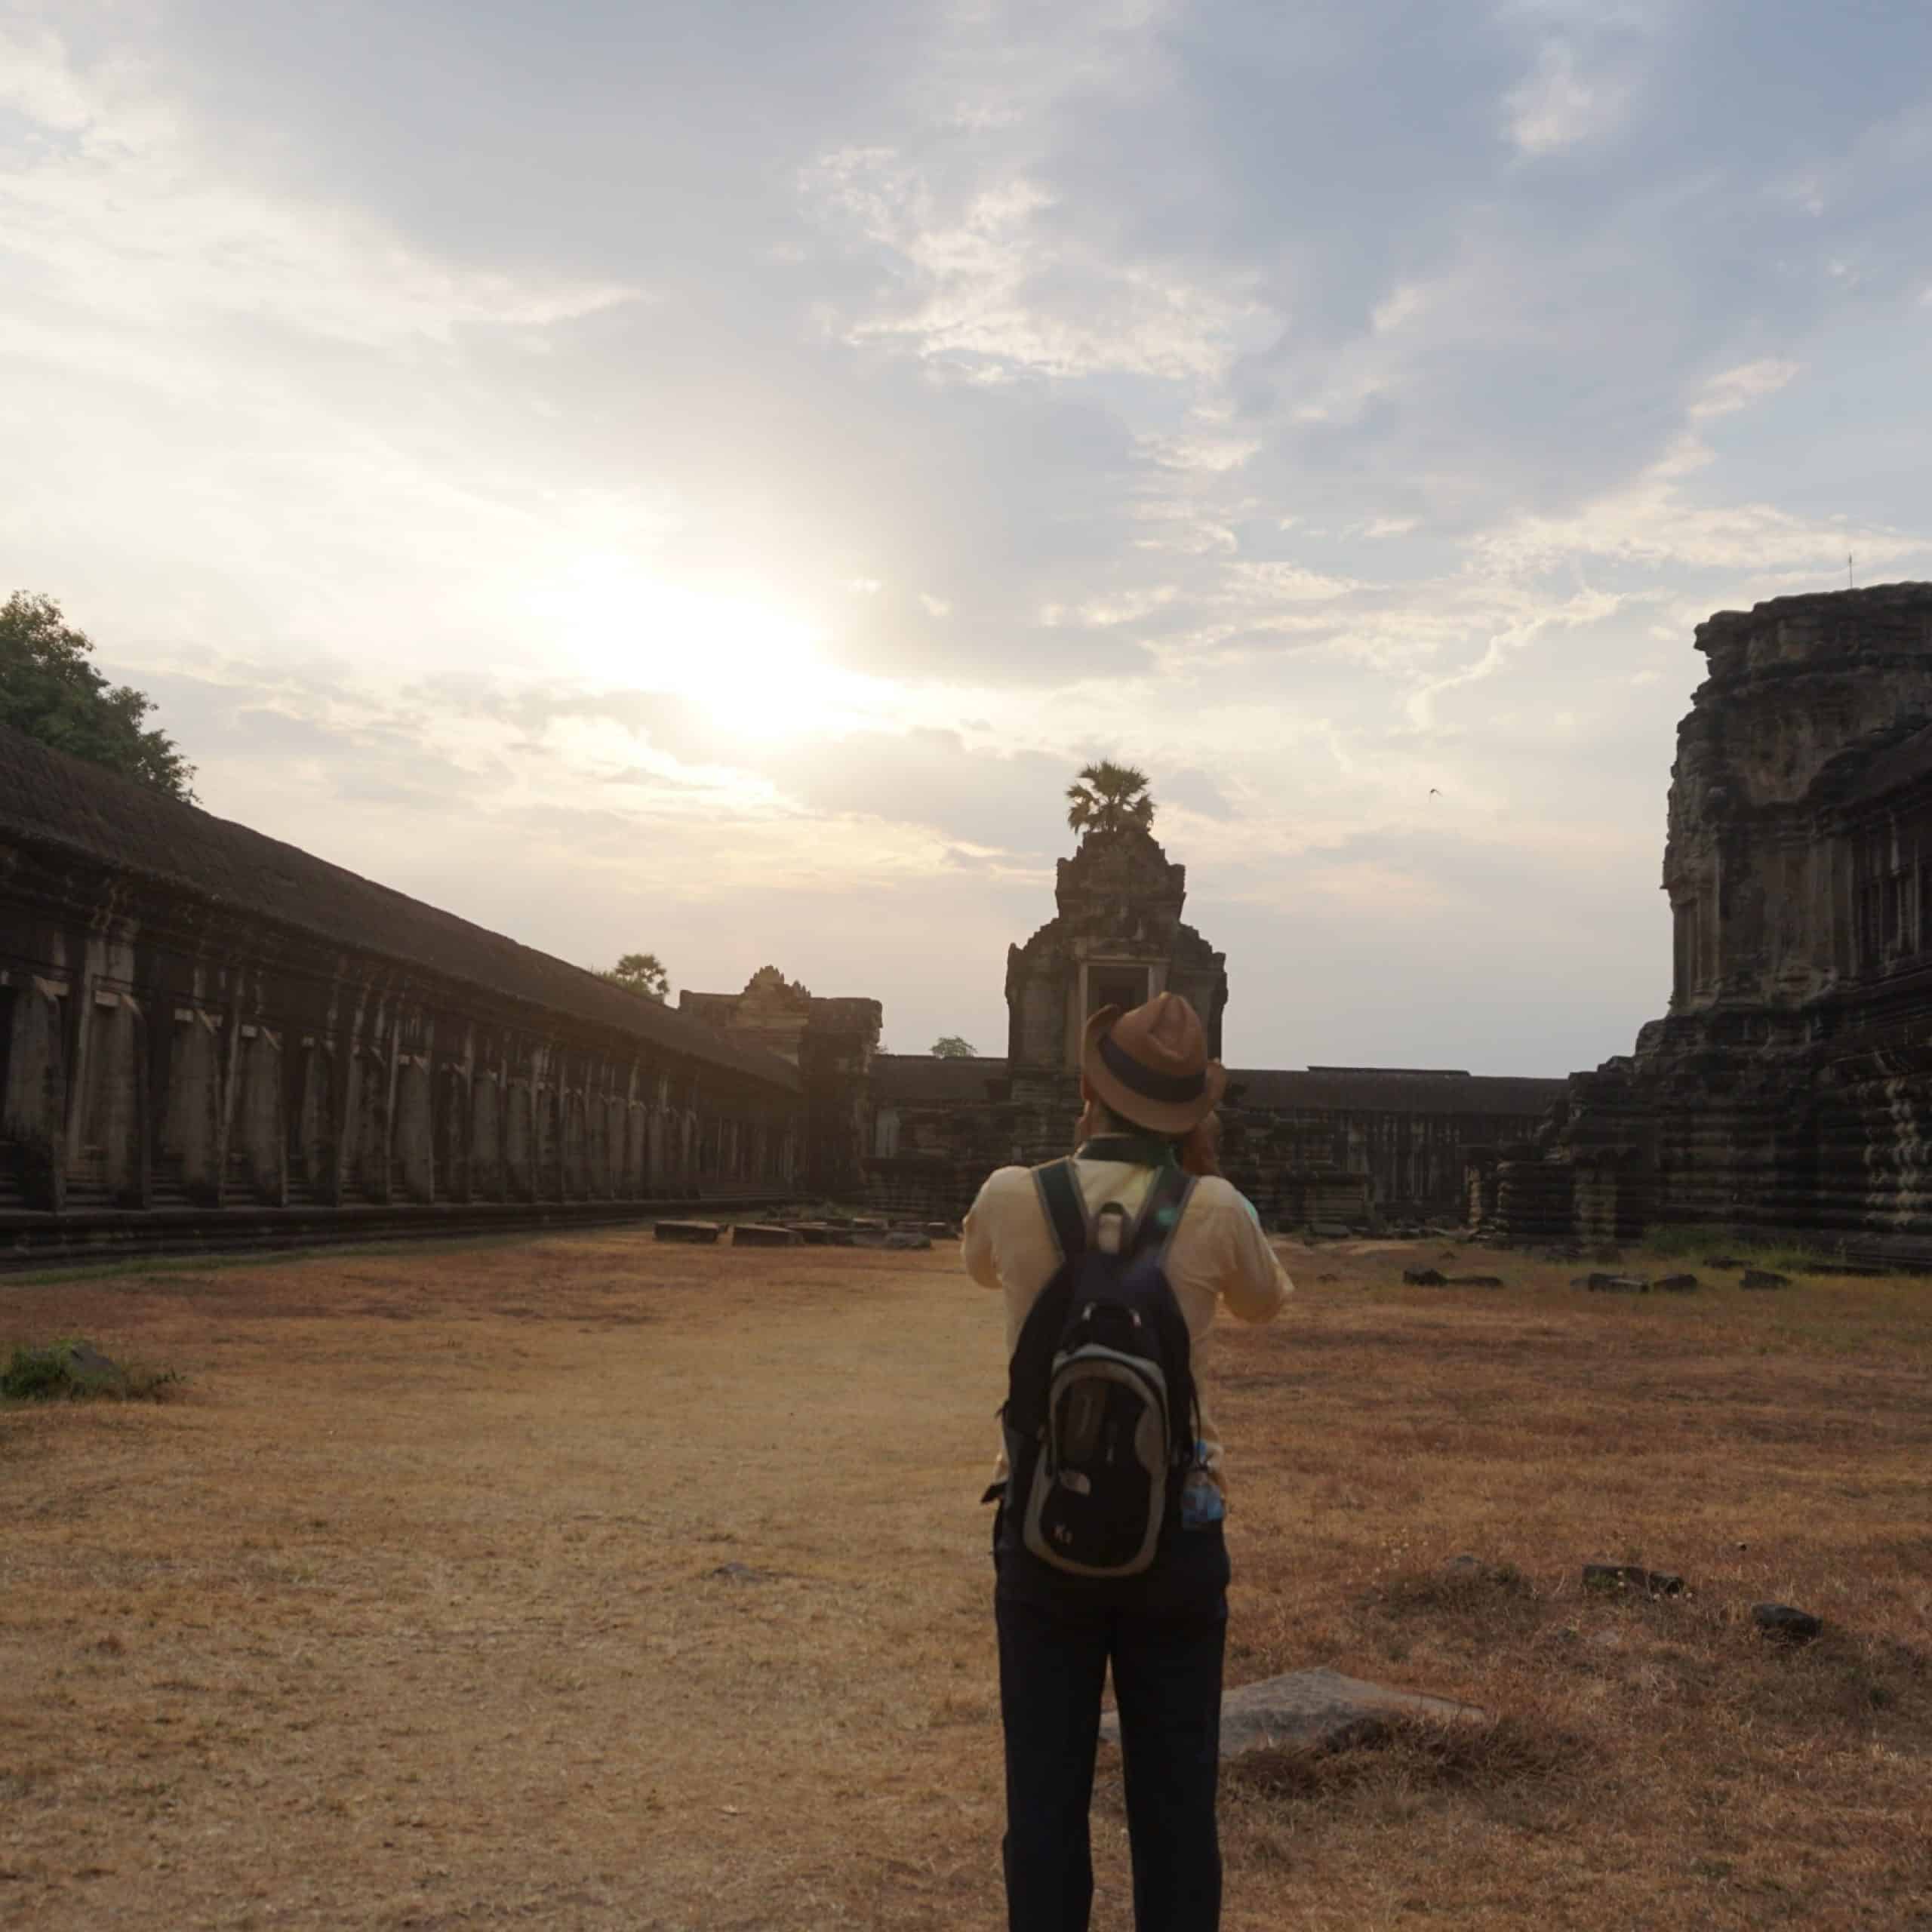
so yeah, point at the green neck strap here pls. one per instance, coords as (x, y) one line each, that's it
(1136, 1150)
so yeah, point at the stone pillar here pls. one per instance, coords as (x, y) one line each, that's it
(107, 1151)
(413, 1130)
(487, 1180)
(519, 1140)
(453, 1181)
(257, 1157)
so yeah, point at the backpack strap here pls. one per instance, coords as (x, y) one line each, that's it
(1167, 1201)
(1160, 1220)
(1064, 1209)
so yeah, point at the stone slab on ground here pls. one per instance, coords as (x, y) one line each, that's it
(764, 1234)
(700, 1231)
(824, 1234)
(1312, 1709)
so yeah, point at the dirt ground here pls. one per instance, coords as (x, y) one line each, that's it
(417, 1608)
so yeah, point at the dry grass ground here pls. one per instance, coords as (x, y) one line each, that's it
(405, 1613)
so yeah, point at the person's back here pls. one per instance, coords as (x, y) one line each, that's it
(1150, 1090)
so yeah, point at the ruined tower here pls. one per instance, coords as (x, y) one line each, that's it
(1789, 1087)
(1117, 940)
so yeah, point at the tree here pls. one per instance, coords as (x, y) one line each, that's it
(951, 1047)
(1108, 797)
(641, 972)
(49, 690)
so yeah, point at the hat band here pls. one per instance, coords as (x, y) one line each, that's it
(1143, 1081)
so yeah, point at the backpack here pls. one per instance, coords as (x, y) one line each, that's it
(1100, 1413)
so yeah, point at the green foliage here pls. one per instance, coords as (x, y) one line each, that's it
(1108, 797)
(49, 690)
(70, 1368)
(642, 973)
(950, 1046)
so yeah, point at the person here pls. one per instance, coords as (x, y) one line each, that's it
(1150, 1092)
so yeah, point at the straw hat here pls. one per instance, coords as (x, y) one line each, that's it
(1151, 1066)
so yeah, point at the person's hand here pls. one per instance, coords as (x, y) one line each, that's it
(1200, 1152)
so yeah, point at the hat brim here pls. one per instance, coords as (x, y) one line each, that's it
(1161, 1116)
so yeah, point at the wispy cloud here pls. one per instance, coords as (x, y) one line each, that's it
(717, 514)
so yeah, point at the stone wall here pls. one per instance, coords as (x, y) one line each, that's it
(1352, 1145)
(193, 1016)
(832, 1042)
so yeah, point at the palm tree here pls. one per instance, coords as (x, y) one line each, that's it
(1108, 797)
(642, 973)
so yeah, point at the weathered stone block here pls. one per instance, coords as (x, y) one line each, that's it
(688, 1231)
(764, 1234)
(1318, 1708)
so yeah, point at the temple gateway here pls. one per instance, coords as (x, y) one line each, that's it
(1354, 1146)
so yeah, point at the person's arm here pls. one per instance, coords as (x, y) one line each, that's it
(1254, 1283)
(976, 1237)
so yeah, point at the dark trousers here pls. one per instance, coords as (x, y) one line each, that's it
(1167, 1666)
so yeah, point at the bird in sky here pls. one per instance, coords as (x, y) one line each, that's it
(1434, 793)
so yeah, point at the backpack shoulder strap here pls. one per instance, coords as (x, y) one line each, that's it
(1160, 1214)
(1066, 1211)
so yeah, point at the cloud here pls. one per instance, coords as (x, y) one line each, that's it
(1559, 104)
(725, 512)
(1738, 389)
(118, 202)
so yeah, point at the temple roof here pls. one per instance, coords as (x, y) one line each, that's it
(65, 805)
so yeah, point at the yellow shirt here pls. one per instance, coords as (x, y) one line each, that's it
(1218, 1254)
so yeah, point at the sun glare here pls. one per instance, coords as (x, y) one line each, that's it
(748, 667)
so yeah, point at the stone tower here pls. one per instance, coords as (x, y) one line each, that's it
(1119, 939)
(1805, 697)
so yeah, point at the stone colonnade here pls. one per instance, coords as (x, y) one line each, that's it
(161, 1048)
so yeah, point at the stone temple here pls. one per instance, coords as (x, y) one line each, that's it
(202, 1027)
(1789, 1087)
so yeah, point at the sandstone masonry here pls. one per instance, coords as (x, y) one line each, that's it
(1789, 1087)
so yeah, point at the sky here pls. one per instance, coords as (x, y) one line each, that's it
(701, 479)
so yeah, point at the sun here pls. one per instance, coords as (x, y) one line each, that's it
(751, 667)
